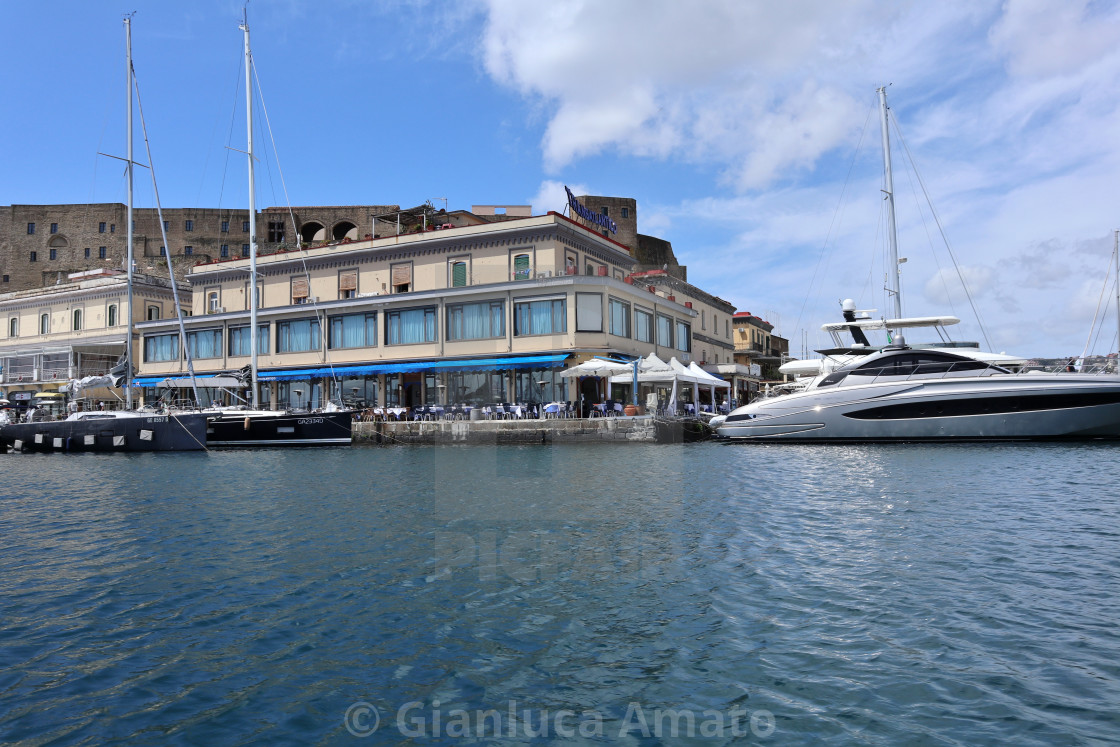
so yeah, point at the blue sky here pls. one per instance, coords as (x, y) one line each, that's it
(746, 131)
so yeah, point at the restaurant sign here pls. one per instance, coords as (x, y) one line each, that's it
(589, 215)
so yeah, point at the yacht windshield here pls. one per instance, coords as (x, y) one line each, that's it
(911, 364)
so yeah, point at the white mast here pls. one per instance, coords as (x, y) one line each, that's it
(1116, 252)
(128, 253)
(252, 216)
(893, 269)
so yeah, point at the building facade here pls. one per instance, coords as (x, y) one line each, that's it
(74, 329)
(482, 313)
(42, 244)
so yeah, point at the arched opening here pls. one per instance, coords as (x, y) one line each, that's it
(345, 230)
(44, 324)
(112, 316)
(312, 231)
(58, 242)
(77, 320)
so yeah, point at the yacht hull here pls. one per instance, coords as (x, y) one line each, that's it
(997, 408)
(185, 432)
(231, 429)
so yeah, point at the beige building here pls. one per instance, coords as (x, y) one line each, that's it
(472, 314)
(73, 329)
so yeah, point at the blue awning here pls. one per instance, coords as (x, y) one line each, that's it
(470, 364)
(202, 379)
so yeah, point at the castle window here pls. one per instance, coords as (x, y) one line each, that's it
(225, 226)
(101, 227)
(224, 251)
(54, 228)
(54, 254)
(101, 252)
(30, 228)
(188, 225)
(87, 252)
(34, 257)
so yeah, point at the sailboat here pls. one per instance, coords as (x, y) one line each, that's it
(251, 425)
(125, 430)
(903, 393)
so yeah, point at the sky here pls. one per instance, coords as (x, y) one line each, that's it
(748, 132)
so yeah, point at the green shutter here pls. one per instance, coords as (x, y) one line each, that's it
(521, 266)
(458, 274)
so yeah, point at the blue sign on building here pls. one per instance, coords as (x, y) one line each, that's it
(598, 218)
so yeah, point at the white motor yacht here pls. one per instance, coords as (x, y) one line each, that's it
(906, 394)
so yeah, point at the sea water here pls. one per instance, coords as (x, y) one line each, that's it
(636, 594)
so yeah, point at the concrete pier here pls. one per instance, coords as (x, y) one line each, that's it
(639, 429)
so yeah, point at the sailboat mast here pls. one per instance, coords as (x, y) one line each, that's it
(128, 253)
(253, 300)
(893, 269)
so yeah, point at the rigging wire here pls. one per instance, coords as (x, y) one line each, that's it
(837, 216)
(163, 234)
(229, 136)
(320, 314)
(944, 237)
(929, 239)
(1100, 300)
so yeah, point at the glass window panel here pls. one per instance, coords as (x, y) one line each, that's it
(159, 348)
(353, 331)
(476, 321)
(643, 326)
(239, 340)
(410, 326)
(664, 331)
(589, 312)
(684, 337)
(540, 317)
(205, 343)
(619, 318)
(298, 336)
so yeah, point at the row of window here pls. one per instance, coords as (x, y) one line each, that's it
(102, 253)
(466, 321)
(77, 320)
(275, 229)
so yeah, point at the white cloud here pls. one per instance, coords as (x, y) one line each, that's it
(551, 196)
(1009, 108)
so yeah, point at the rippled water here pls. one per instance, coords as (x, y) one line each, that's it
(784, 594)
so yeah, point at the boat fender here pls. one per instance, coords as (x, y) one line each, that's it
(246, 423)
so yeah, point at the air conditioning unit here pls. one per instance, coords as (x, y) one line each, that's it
(218, 310)
(313, 299)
